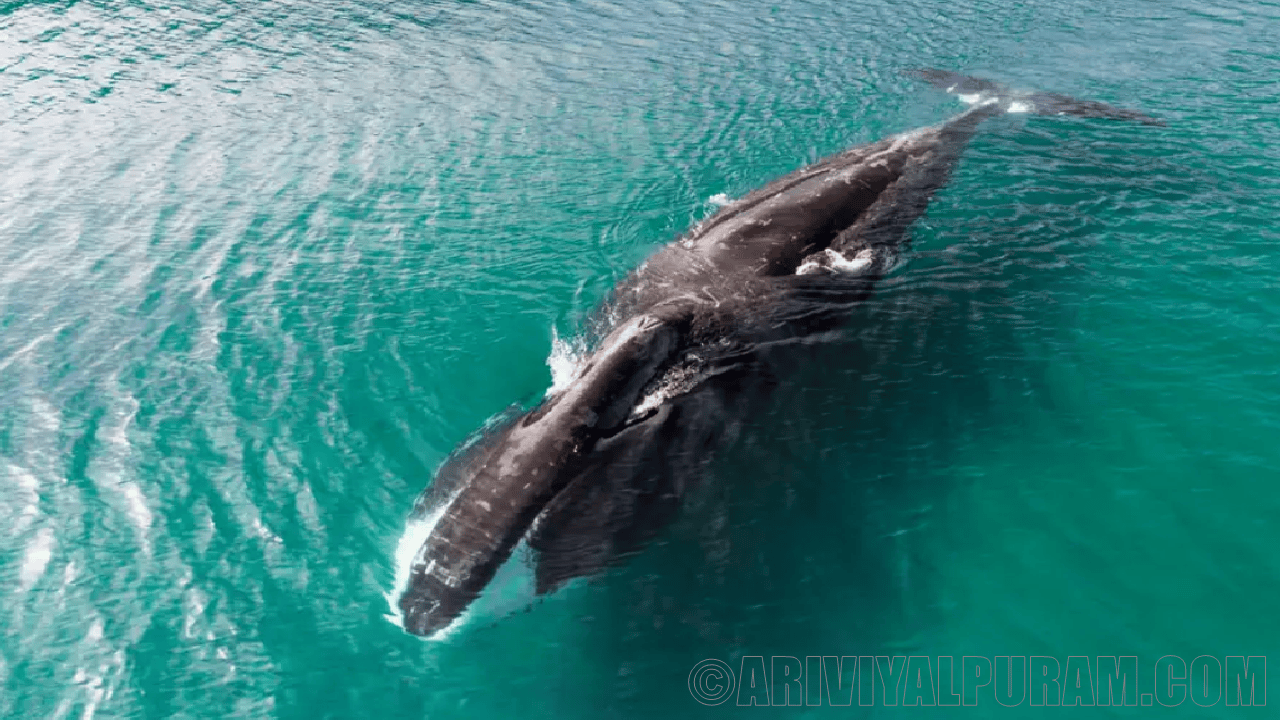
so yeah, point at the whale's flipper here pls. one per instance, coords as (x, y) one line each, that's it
(615, 504)
(1040, 103)
(631, 489)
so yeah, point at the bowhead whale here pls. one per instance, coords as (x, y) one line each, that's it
(595, 468)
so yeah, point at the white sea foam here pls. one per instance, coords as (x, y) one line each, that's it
(1015, 107)
(110, 472)
(564, 361)
(512, 588)
(838, 263)
(20, 501)
(415, 534)
(36, 559)
(845, 265)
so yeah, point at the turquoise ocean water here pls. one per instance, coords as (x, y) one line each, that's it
(264, 265)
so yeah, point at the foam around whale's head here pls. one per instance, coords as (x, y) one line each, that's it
(486, 497)
(512, 589)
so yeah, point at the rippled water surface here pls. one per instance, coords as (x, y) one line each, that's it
(263, 266)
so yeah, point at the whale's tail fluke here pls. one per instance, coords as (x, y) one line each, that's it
(974, 89)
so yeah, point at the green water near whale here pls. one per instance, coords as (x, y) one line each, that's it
(263, 266)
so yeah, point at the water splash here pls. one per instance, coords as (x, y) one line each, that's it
(565, 361)
(415, 534)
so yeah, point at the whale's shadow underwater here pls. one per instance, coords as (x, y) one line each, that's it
(680, 351)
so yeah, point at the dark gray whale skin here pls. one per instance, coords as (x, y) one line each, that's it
(591, 473)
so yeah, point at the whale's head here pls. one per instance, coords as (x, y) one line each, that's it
(487, 495)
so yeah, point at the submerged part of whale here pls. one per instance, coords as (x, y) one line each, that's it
(603, 462)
